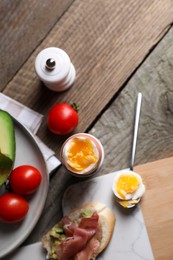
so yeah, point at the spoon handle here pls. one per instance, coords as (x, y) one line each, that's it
(136, 125)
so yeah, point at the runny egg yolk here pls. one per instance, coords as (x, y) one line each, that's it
(127, 184)
(81, 154)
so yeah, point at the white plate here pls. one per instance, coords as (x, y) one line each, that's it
(27, 152)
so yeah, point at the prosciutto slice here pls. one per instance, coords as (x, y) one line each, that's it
(89, 251)
(78, 237)
(92, 247)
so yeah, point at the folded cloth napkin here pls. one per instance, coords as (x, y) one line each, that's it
(32, 120)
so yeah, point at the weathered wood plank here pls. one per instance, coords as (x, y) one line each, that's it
(154, 79)
(106, 41)
(24, 24)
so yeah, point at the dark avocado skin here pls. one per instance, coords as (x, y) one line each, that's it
(7, 146)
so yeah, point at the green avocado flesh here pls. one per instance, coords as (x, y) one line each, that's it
(7, 145)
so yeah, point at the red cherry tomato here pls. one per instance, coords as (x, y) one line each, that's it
(13, 208)
(62, 119)
(25, 179)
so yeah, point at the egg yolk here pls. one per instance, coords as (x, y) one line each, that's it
(127, 184)
(81, 154)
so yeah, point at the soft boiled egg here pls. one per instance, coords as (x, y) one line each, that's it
(82, 154)
(128, 186)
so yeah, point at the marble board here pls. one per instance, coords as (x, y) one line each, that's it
(130, 240)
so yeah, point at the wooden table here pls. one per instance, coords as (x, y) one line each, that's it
(119, 48)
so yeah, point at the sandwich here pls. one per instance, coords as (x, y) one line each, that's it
(81, 235)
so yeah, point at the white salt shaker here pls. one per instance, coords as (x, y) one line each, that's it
(53, 66)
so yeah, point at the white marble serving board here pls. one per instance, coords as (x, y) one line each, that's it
(130, 240)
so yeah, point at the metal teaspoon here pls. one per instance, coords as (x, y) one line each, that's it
(136, 126)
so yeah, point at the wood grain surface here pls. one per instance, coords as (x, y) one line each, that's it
(154, 79)
(157, 206)
(106, 41)
(24, 24)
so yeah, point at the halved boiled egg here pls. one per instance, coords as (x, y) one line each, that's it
(82, 154)
(128, 186)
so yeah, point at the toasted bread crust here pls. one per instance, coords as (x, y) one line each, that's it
(93, 206)
(107, 219)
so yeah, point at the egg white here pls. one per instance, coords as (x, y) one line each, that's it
(129, 196)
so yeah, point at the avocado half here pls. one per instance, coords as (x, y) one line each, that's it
(7, 145)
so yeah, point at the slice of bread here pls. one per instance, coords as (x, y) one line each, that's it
(106, 220)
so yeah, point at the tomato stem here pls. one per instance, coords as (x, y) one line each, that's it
(75, 106)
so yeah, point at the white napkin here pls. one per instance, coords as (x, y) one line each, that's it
(32, 120)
